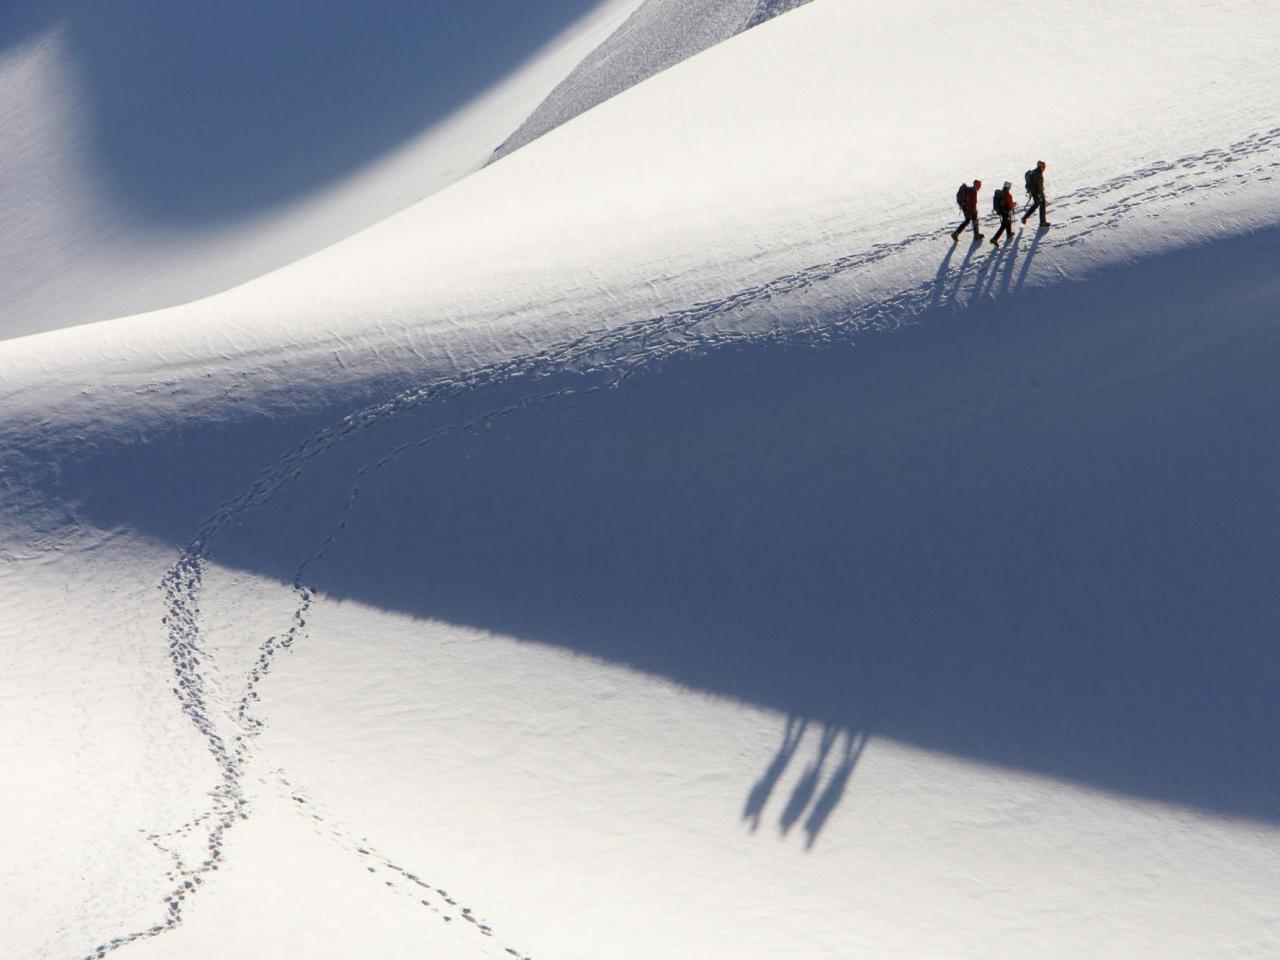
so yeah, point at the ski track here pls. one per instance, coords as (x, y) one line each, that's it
(601, 360)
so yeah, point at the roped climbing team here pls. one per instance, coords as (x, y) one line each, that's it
(1003, 205)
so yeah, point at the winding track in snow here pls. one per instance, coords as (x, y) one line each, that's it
(600, 360)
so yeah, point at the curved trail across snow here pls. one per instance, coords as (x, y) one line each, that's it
(598, 361)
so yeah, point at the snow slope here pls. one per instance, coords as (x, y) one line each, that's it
(156, 154)
(702, 556)
(658, 35)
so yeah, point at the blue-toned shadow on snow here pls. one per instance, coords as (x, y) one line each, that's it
(836, 783)
(208, 112)
(20, 20)
(1040, 531)
(763, 789)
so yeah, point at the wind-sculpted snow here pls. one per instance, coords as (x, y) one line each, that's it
(592, 365)
(660, 34)
(180, 134)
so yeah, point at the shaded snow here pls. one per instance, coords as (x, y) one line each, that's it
(661, 543)
(155, 154)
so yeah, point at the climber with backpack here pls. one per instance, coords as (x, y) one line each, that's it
(967, 201)
(1035, 191)
(1002, 205)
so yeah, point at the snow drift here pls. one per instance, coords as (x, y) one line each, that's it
(160, 153)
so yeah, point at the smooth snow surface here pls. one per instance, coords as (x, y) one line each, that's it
(666, 543)
(158, 152)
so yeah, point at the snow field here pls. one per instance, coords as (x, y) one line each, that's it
(160, 155)
(994, 527)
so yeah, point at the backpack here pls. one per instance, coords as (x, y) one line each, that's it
(1030, 180)
(997, 201)
(962, 198)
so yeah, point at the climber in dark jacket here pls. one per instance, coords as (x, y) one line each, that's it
(1003, 205)
(967, 199)
(1035, 190)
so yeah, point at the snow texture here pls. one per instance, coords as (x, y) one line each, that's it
(666, 542)
(660, 34)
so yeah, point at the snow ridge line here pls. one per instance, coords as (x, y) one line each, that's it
(768, 9)
(591, 351)
(611, 354)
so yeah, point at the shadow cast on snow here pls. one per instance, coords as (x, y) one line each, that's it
(210, 112)
(1041, 531)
